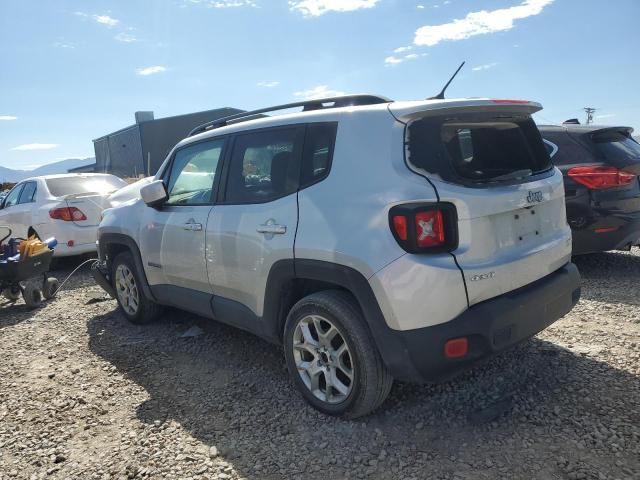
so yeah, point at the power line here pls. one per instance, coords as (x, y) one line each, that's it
(590, 111)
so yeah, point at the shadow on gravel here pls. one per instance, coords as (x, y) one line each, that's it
(12, 314)
(231, 390)
(611, 276)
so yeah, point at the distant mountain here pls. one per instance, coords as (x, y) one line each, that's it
(10, 175)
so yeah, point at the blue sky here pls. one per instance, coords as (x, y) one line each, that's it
(73, 70)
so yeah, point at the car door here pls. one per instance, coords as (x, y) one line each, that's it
(25, 210)
(9, 215)
(173, 243)
(254, 224)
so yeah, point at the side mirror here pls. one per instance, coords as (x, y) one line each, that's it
(154, 194)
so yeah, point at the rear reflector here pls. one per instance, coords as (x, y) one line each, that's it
(599, 177)
(70, 243)
(606, 229)
(67, 214)
(456, 348)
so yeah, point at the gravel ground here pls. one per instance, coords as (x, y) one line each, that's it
(85, 395)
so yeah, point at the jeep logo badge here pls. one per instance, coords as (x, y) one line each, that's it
(534, 197)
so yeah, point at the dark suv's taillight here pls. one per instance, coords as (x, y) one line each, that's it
(601, 177)
(425, 227)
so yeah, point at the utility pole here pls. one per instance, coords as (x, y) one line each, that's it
(590, 111)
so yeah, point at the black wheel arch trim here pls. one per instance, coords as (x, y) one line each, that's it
(391, 347)
(107, 239)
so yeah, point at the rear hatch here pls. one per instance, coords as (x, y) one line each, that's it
(488, 159)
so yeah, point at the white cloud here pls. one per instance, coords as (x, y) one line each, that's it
(420, 7)
(486, 66)
(321, 91)
(125, 37)
(7, 117)
(605, 115)
(36, 146)
(315, 8)
(231, 3)
(106, 20)
(151, 70)
(268, 84)
(393, 60)
(80, 14)
(221, 3)
(478, 23)
(402, 49)
(64, 45)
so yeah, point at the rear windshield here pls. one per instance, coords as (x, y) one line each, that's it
(59, 187)
(478, 148)
(617, 146)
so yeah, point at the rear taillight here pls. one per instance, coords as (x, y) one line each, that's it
(599, 177)
(67, 214)
(421, 228)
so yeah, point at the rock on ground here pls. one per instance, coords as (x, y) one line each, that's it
(85, 395)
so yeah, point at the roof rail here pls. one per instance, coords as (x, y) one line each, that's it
(308, 105)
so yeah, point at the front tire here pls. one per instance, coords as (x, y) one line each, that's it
(134, 305)
(332, 357)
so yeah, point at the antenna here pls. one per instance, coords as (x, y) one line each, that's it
(440, 96)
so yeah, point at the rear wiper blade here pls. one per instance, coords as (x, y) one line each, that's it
(512, 175)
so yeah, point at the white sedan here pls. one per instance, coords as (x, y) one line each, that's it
(68, 207)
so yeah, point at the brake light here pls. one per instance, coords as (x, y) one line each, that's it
(599, 177)
(421, 228)
(400, 226)
(67, 214)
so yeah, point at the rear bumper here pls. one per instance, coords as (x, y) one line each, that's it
(490, 327)
(627, 234)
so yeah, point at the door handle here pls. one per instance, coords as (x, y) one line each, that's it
(272, 228)
(193, 227)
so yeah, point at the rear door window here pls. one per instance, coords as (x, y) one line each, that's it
(265, 165)
(28, 194)
(478, 148)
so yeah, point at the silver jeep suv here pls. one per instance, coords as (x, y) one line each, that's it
(374, 240)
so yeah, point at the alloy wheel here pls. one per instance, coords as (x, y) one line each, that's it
(323, 359)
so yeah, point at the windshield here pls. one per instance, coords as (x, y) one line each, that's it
(102, 184)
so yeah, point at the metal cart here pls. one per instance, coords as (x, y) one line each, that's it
(19, 278)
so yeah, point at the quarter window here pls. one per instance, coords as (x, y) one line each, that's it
(193, 173)
(264, 166)
(318, 152)
(28, 194)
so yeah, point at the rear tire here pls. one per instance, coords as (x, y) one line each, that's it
(127, 283)
(332, 357)
(32, 296)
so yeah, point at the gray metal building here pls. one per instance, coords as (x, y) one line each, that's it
(141, 148)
